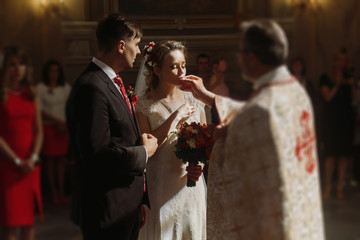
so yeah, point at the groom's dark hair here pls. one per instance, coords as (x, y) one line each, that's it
(114, 28)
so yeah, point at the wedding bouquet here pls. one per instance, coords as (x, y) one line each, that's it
(194, 144)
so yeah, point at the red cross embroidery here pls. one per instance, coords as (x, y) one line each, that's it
(305, 143)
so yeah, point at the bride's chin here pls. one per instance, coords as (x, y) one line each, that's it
(179, 82)
(179, 85)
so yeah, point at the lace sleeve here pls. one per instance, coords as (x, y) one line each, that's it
(199, 108)
(198, 105)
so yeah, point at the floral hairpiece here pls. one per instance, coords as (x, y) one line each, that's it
(148, 55)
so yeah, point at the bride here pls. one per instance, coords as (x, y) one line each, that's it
(177, 211)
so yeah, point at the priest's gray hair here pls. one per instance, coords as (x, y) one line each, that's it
(266, 39)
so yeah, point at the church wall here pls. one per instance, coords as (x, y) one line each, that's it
(67, 31)
(20, 25)
(38, 28)
(321, 27)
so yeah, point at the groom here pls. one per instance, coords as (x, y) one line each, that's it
(263, 178)
(110, 152)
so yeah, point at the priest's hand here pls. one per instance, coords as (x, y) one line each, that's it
(195, 85)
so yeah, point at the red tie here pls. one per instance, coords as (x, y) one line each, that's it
(120, 83)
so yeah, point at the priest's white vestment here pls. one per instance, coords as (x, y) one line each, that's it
(263, 180)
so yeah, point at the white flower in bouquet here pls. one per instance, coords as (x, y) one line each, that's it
(192, 143)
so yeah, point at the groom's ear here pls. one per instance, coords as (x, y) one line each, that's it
(121, 46)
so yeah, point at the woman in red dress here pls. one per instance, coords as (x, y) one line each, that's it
(20, 143)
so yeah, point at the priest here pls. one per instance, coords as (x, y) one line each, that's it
(263, 180)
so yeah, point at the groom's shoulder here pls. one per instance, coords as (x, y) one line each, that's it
(90, 76)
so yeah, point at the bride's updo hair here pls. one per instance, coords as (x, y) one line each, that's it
(154, 54)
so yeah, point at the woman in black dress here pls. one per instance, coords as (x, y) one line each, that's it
(337, 91)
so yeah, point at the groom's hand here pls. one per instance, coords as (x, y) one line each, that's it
(195, 85)
(150, 143)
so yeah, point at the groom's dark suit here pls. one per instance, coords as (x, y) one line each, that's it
(110, 160)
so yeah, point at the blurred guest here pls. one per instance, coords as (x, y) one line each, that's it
(298, 69)
(338, 92)
(354, 168)
(217, 81)
(204, 71)
(20, 143)
(349, 74)
(203, 67)
(53, 93)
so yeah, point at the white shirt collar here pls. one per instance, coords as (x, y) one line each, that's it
(106, 68)
(108, 71)
(278, 74)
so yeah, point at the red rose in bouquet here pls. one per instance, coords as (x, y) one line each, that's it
(194, 144)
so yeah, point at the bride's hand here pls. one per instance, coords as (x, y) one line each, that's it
(194, 171)
(183, 113)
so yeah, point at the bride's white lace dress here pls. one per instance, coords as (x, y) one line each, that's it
(177, 211)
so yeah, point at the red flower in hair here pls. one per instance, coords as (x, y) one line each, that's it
(148, 55)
